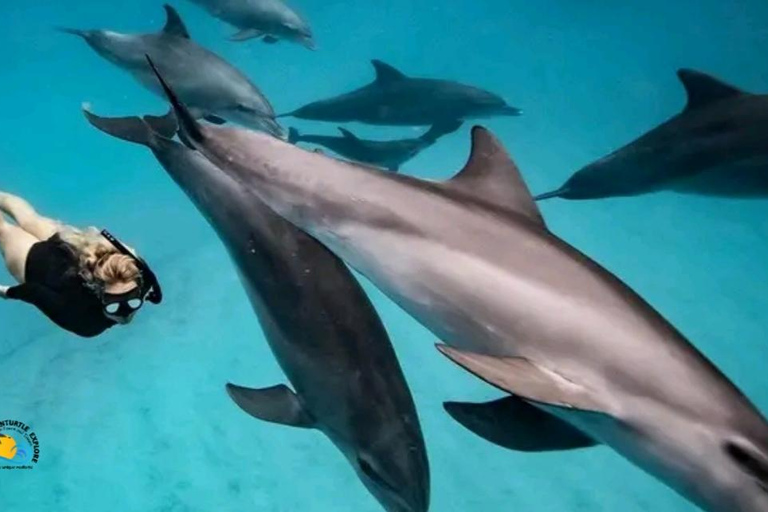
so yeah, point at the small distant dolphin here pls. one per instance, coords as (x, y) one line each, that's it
(473, 260)
(395, 99)
(390, 154)
(213, 88)
(717, 146)
(270, 20)
(318, 321)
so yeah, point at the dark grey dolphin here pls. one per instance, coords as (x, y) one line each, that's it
(270, 20)
(318, 321)
(389, 154)
(398, 100)
(208, 84)
(717, 146)
(473, 260)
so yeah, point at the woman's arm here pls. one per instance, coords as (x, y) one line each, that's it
(55, 306)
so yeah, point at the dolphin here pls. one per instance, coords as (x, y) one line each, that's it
(473, 260)
(389, 154)
(211, 87)
(395, 99)
(318, 321)
(270, 20)
(717, 146)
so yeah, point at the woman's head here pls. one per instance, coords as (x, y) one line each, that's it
(118, 273)
(115, 276)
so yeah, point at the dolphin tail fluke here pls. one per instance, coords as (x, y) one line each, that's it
(190, 131)
(166, 126)
(135, 129)
(549, 195)
(515, 424)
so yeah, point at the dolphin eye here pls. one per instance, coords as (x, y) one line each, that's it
(371, 473)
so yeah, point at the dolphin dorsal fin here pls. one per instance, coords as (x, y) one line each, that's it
(347, 134)
(491, 176)
(385, 73)
(703, 89)
(174, 25)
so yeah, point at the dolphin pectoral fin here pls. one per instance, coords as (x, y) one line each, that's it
(513, 423)
(703, 89)
(386, 74)
(245, 35)
(215, 119)
(277, 404)
(491, 176)
(270, 39)
(528, 380)
(346, 133)
(441, 129)
(294, 135)
(174, 26)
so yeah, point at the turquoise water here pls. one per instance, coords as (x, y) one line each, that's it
(138, 420)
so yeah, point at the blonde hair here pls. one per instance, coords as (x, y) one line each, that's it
(100, 261)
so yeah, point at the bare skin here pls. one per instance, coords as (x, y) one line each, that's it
(29, 228)
(17, 239)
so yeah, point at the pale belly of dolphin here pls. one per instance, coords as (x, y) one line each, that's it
(475, 304)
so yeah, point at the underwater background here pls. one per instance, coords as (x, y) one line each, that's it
(138, 419)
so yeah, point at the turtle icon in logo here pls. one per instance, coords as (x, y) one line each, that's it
(8, 447)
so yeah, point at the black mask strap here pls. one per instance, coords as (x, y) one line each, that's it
(149, 280)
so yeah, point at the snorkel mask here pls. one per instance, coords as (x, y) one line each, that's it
(122, 306)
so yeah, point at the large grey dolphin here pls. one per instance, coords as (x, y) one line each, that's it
(399, 100)
(389, 154)
(473, 260)
(270, 20)
(318, 321)
(718, 145)
(210, 86)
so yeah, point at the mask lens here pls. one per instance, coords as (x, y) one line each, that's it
(135, 303)
(112, 308)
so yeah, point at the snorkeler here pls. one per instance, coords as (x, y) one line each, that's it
(85, 281)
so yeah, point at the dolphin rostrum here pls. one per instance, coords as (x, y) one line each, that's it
(318, 321)
(398, 100)
(211, 87)
(389, 154)
(473, 260)
(270, 20)
(718, 145)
